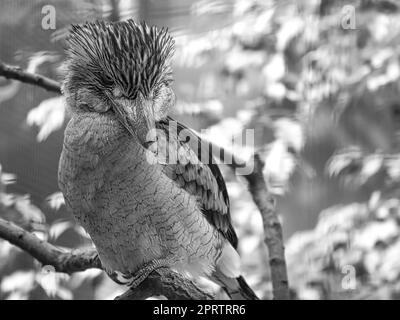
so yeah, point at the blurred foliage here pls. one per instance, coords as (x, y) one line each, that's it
(317, 80)
(292, 63)
(353, 253)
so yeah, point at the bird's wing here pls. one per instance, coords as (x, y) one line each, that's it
(187, 160)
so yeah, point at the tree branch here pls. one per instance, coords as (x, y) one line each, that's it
(160, 282)
(46, 253)
(272, 226)
(273, 236)
(16, 73)
(168, 283)
(257, 187)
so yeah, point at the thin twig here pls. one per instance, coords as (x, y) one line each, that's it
(160, 282)
(273, 236)
(46, 253)
(16, 73)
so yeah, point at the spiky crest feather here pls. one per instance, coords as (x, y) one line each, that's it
(132, 55)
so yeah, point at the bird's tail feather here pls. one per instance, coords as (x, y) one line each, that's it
(235, 288)
(242, 291)
(227, 274)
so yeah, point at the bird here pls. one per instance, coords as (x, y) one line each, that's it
(143, 185)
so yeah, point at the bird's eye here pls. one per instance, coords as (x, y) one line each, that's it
(156, 92)
(168, 82)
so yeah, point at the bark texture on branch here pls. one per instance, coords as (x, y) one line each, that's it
(273, 236)
(159, 281)
(16, 73)
(46, 253)
(168, 283)
(265, 202)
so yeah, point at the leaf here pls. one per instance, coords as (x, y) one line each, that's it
(49, 116)
(393, 167)
(376, 231)
(275, 90)
(275, 69)
(58, 228)
(51, 282)
(279, 165)
(7, 253)
(374, 200)
(371, 165)
(392, 74)
(289, 29)
(239, 60)
(208, 7)
(290, 132)
(341, 218)
(64, 293)
(28, 210)
(6, 178)
(39, 58)
(81, 231)
(390, 268)
(342, 160)
(18, 281)
(78, 278)
(212, 106)
(56, 200)
(8, 91)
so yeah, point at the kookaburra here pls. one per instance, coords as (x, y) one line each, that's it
(148, 197)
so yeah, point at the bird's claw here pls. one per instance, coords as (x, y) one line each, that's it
(133, 280)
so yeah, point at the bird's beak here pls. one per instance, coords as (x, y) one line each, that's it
(146, 131)
(142, 118)
(121, 110)
(148, 111)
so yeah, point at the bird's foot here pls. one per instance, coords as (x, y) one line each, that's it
(133, 280)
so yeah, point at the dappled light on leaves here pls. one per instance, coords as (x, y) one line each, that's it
(49, 116)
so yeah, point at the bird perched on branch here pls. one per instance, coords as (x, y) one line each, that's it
(142, 185)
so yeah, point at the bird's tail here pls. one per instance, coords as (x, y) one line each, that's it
(242, 291)
(227, 274)
(235, 288)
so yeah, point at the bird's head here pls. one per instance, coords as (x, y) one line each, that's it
(121, 70)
